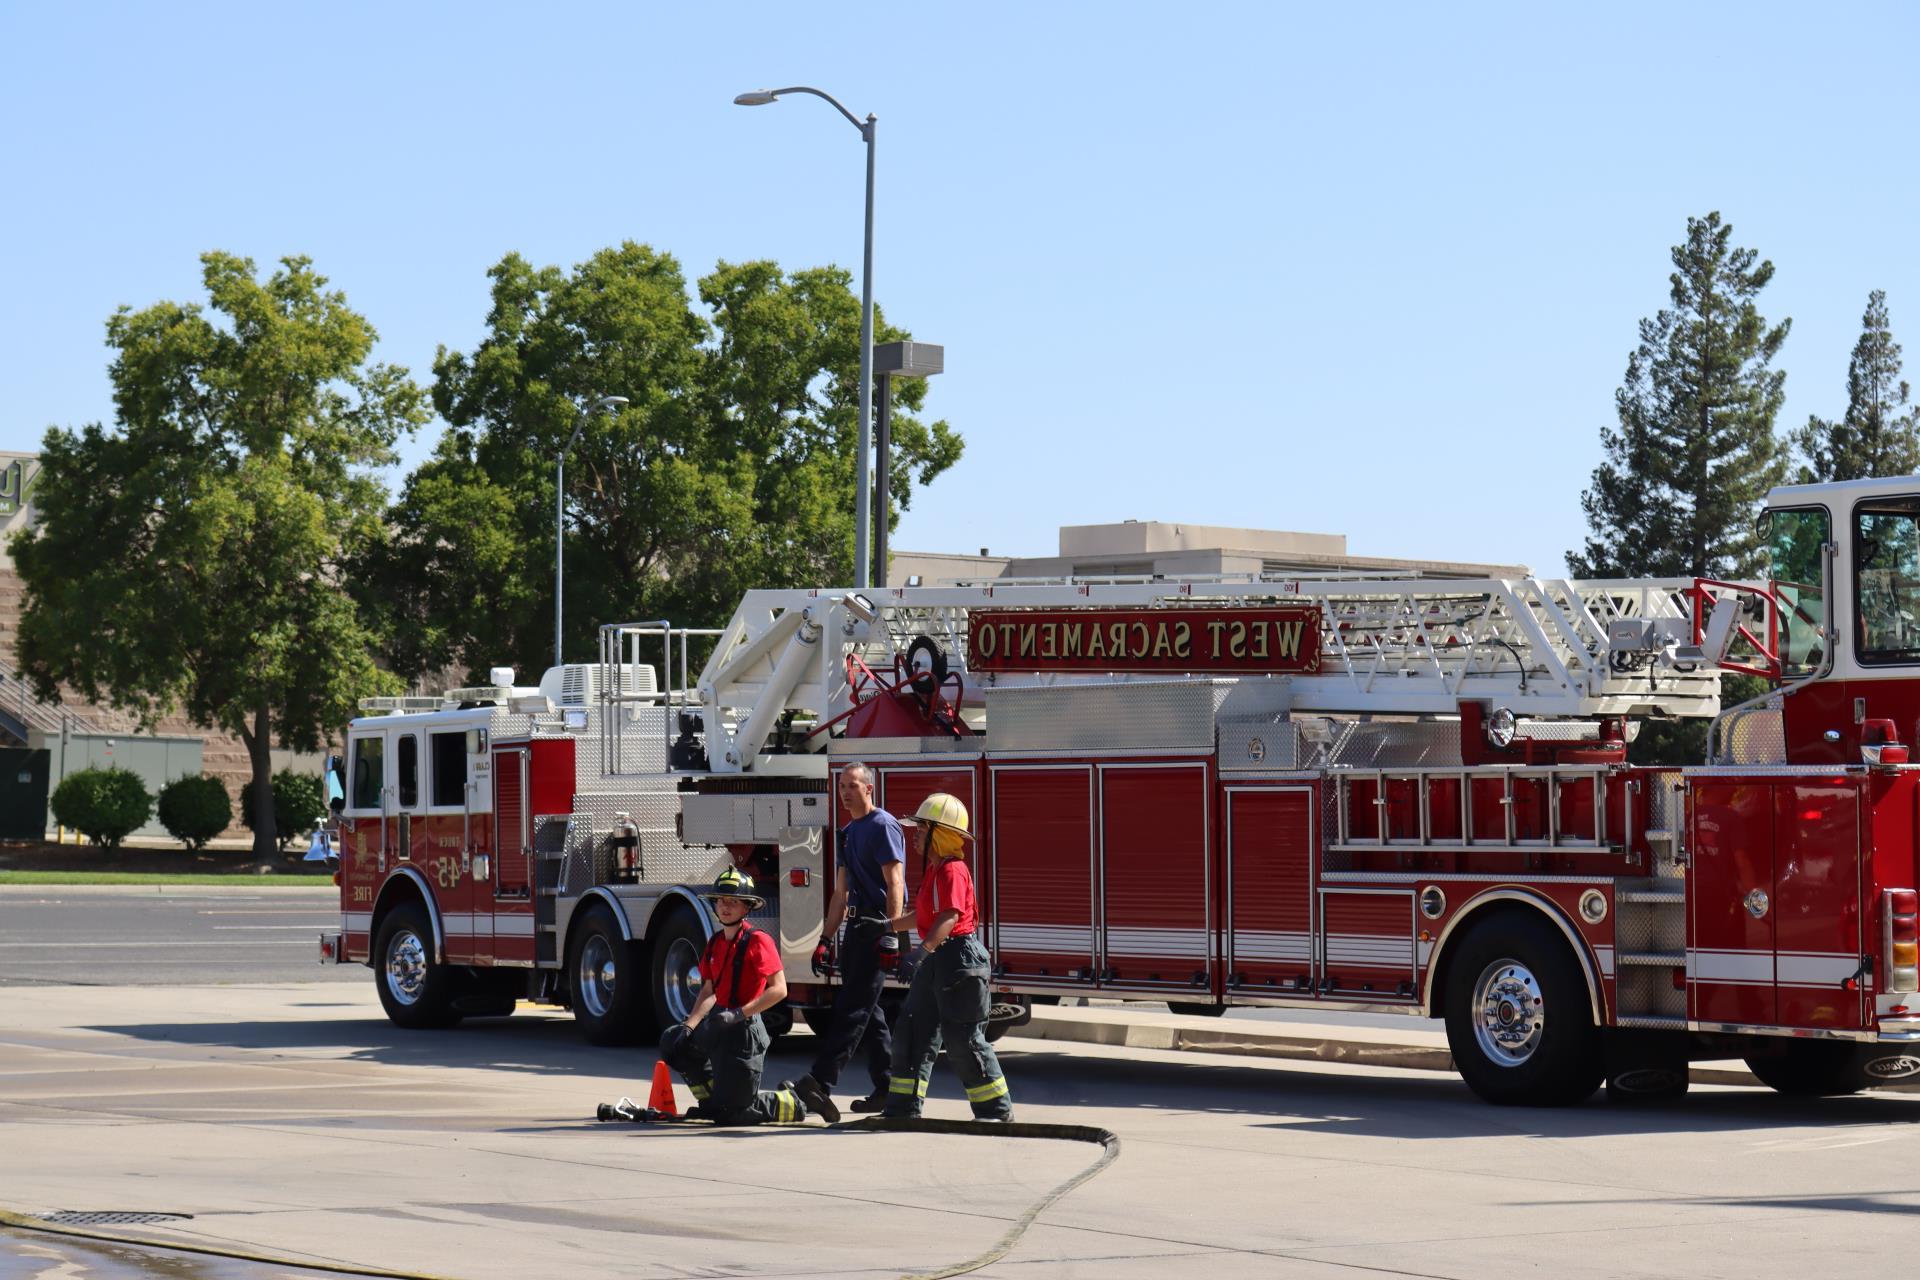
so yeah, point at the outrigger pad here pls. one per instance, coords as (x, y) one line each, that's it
(633, 1113)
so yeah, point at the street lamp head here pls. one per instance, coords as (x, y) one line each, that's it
(757, 98)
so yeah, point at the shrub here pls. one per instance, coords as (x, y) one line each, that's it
(195, 809)
(298, 805)
(102, 804)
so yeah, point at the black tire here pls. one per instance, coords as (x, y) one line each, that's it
(673, 967)
(1813, 1068)
(1194, 1009)
(603, 972)
(1519, 1020)
(416, 990)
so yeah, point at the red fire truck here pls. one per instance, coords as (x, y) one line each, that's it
(1387, 793)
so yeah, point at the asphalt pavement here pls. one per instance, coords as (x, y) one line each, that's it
(293, 1121)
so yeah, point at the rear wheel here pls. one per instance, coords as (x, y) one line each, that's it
(1519, 1021)
(609, 1002)
(416, 990)
(675, 968)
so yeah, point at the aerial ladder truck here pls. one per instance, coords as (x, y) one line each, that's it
(1335, 792)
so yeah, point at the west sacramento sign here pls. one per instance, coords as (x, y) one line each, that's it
(1283, 639)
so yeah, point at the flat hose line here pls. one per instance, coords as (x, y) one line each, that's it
(26, 1222)
(1110, 1151)
(1108, 1141)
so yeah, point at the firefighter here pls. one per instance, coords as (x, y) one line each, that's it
(948, 997)
(869, 889)
(721, 1048)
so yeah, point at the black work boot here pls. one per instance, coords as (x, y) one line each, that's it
(875, 1101)
(817, 1099)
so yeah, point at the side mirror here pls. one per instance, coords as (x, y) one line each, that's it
(337, 805)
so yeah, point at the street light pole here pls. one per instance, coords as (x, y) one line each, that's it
(560, 509)
(863, 457)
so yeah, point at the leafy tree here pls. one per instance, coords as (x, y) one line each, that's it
(297, 805)
(104, 805)
(194, 809)
(1879, 435)
(731, 466)
(1694, 450)
(191, 555)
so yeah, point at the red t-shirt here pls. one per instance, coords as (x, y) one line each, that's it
(762, 961)
(948, 886)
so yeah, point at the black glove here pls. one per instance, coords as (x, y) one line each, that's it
(728, 1019)
(823, 958)
(908, 963)
(887, 946)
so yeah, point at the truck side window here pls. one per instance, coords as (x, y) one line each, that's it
(1796, 543)
(369, 761)
(409, 769)
(1886, 580)
(449, 760)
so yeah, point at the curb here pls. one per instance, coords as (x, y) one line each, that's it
(1308, 1044)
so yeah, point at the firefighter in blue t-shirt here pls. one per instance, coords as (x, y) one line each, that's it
(869, 890)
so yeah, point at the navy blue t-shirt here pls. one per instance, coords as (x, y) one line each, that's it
(867, 845)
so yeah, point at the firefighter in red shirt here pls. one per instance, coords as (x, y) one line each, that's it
(948, 998)
(721, 1049)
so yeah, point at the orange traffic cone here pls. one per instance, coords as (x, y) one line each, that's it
(661, 1099)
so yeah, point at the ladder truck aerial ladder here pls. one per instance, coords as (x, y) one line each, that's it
(1333, 792)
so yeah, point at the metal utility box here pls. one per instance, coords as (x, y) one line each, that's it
(23, 793)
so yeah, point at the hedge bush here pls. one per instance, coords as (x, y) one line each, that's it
(195, 809)
(298, 805)
(104, 805)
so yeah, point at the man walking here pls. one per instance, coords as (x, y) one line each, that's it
(869, 890)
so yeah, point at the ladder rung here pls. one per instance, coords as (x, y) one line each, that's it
(1652, 1021)
(1657, 833)
(1650, 957)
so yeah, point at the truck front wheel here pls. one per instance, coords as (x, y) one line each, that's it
(1518, 1018)
(416, 990)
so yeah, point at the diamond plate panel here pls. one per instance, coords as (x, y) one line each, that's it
(1642, 990)
(1163, 715)
(1666, 806)
(1393, 745)
(1754, 736)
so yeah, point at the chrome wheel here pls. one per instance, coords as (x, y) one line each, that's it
(598, 978)
(1511, 1013)
(406, 967)
(680, 978)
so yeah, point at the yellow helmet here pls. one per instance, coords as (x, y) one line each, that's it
(942, 810)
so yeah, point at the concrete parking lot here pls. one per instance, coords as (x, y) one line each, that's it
(291, 1120)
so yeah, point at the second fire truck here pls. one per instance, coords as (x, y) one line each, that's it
(1394, 793)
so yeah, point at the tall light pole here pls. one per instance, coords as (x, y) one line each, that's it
(560, 508)
(863, 458)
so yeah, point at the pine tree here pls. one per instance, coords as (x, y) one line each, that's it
(1880, 433)
(1694, 451)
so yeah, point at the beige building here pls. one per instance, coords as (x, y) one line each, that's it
(1156, 548)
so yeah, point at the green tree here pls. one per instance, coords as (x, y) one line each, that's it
(731, 466)
(191, 556)
(1694, 450)
(1879, 435)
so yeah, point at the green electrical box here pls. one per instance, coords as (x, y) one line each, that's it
(23, 793)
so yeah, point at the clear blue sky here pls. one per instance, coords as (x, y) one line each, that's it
(1362, 269)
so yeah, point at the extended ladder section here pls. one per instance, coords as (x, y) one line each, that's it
(1540, 647)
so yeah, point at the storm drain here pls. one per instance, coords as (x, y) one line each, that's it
(107, 1217)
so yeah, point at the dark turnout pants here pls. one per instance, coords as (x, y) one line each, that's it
(857, 1015)
(948, 1001)
(722, 1067)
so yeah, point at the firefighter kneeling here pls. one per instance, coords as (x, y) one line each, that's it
(948, 997)
(721, 1048)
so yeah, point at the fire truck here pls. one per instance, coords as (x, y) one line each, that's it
(1337, 792)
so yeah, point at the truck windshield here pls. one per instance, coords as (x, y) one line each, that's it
(1797, 540)
(1886, 579)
